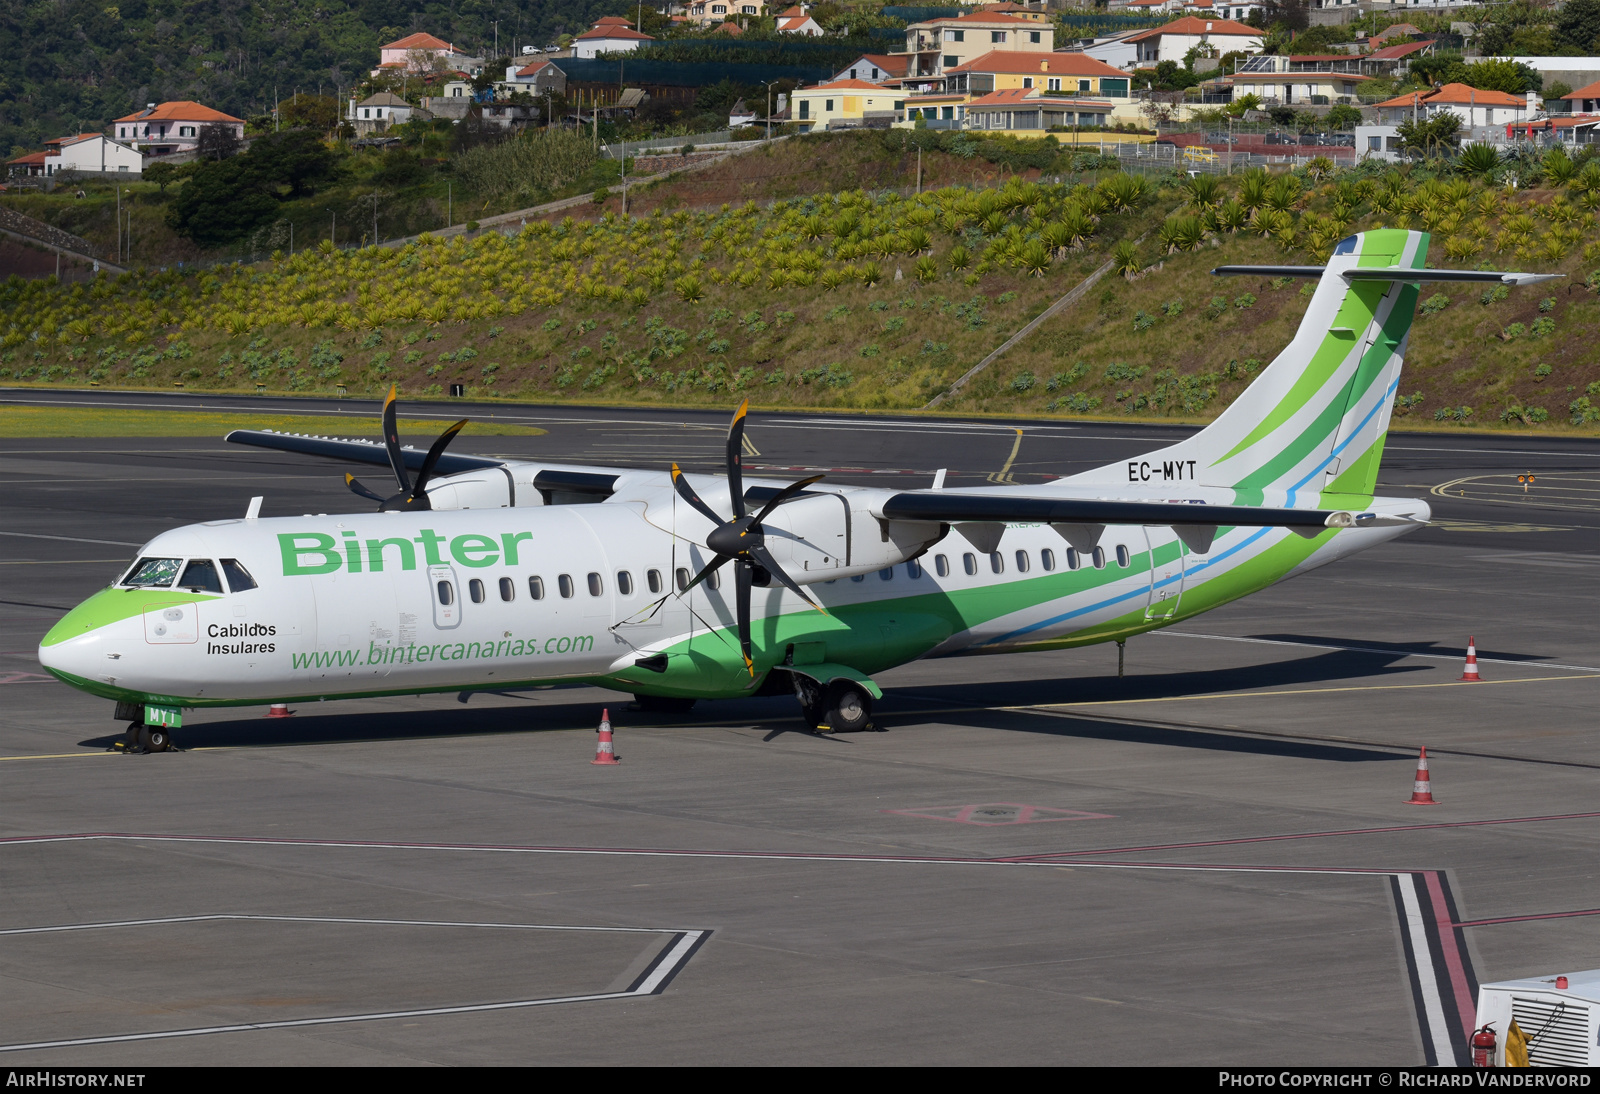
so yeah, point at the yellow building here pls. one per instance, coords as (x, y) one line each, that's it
(1066, 73)
(842, 104)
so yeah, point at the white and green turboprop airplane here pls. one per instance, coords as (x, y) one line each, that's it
(507, 574)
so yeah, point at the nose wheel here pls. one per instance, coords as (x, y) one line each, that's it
(142, 738)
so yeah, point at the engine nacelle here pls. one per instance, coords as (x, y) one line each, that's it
(829, 535)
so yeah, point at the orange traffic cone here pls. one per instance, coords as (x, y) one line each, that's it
(1471, 671)
(280, 710)
(605, 753)
(1422, 789)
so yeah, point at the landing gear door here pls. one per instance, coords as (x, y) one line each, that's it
(445, 592)
(1167, 572)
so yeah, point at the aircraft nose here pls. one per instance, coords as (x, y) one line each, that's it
(75, 650)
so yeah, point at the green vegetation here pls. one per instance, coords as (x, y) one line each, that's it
(874, 299)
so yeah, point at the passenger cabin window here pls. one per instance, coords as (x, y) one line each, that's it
(941, 565)
(887, 573)
(201, 576)
(476, 591)
(969, 563)
(1022, 562)
(447, 593)
(536, 588)
(1047, 559)
(913, 569)
(653, 579)
(239, 578)
(153, 573)
(564, 583)
(1122, 555)
(714, 579)
(859, 577)
(1099, 557)
(997, 562)
(624, 583)
(508, 589)
(596, 586)
(681, 576)
(1073, 561)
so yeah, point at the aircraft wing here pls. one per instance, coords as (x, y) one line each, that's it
(949, 507)
(357, 451)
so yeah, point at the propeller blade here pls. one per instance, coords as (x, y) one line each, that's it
(391, 441)
(712, 567)
(784, 495)
(764, 560)
(741, 581)
(686, 492)
(736, 460)
(355, 485)
(439, 445)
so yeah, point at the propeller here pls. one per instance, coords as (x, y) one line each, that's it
(742, 540)
(411, 495)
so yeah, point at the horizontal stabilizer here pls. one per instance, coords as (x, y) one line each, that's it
(356, 451)
(948, 506)
(1388, 273)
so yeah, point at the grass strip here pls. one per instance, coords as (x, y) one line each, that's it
(30, 421)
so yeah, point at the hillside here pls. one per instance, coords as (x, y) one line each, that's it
(74, 65)
(867, 299)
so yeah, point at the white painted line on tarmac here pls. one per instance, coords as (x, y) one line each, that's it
(73, 539)
(1433, 1008)
(674, 956)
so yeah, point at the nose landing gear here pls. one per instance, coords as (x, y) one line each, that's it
(141, 738)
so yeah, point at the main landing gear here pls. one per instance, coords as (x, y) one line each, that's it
(142, 738)
(842, 706)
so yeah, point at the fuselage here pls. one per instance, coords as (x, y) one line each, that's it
(347, 605)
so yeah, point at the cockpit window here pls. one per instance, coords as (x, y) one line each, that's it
(239, 578)
(153, 573)
(201, 576)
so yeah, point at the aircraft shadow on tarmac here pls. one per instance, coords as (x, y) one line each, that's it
(1429, 649)
(976, 705)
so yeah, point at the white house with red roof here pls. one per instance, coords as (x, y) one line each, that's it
(1173, 41)
(83, 154)
(422, 52)
(943, 44)
(1585, 100)
(796, 21)
(608, 39)
(1474, 106)
(166, 128)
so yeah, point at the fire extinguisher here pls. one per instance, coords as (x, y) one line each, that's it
(1483, 1047)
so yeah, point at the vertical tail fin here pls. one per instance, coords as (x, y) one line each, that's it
(1315, 420)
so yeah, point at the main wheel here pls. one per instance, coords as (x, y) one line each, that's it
(155, 738)
(664, 704)
(849, 707)
(130, 739)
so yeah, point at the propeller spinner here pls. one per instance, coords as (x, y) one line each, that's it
(411, 495)
(742, 540)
